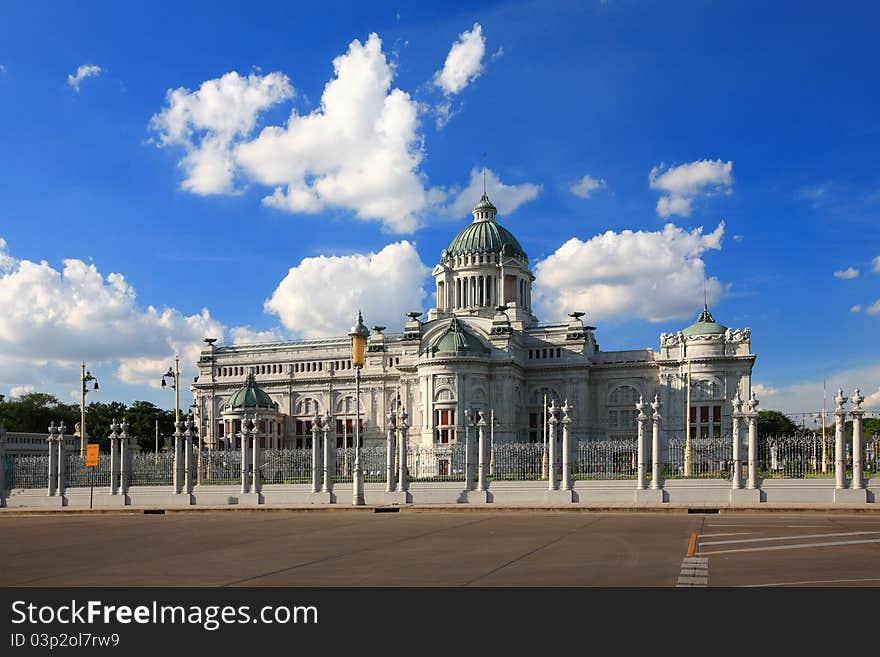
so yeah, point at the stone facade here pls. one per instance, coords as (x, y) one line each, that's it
(481, 347)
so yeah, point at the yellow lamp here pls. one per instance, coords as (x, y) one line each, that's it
(358, 335)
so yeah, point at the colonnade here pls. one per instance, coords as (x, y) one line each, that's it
(481, 290)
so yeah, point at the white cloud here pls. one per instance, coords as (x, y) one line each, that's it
(850, 272)
(762, 391)
(656, 276)
(738, 238)
(464, 63)
(7, 262)
(856, 308)
(874, 308)
(19, 391)
(806, 396)
(875, 264)
(507, 198)
(59, 317)
(245, 335)
(587, 185)
(359, 151)
(83, 72)
(320, 296)
(682, 184)
(2, 69)
(208, 122)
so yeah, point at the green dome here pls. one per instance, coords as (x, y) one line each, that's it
(705, 325)
(485, 236)
(456, 340)
(250, 397)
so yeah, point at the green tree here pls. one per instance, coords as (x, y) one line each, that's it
(34, 411)
(775, 423)
(99, 417)
(141, 417)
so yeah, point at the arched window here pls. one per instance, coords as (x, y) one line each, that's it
(622, 412)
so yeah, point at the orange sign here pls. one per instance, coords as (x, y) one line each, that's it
(92, 455)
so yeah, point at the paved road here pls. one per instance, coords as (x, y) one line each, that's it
(439, 548)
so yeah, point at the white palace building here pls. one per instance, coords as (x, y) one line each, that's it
(480, 347)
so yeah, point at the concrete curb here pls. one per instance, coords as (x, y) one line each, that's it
(446, 508)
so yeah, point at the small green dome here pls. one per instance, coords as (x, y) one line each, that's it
(705, 325)
(456, 339)
(485, 204)
(250, 397)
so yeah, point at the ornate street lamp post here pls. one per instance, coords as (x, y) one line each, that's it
(358, 335)
(174, 375)
(85, 377)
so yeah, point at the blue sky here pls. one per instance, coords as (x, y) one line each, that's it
(758, 115)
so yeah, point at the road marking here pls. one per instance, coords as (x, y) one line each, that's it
(797, 546)
(815, 581)
(702, 536)
(692, 545)
(694, 571)
(784, 538)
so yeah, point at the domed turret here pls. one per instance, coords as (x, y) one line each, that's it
(705, 325)
(455, 340)
(484, 266)
(250, 397)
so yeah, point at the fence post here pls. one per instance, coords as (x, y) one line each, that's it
(187, 455)
(469, 423)
(316, 447)
(566, 445)
(255, 456)
(329, 453)
(178, 431)
(403, 483)
(245, 435)
(124, 458)
(839, 445)
(53, 455)
(389, 452)
(752, 415)
(737, 456)
(858, 466)
(642, 480)
(62, 459)
(553, 421)
(2, 466)
(656, 484)
(481, 455)
(114, 463)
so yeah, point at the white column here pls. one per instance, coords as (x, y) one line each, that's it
(858, 480)
(328, 455)
(642, 479)
(62, 460)
(839, 444)
(468, 423)
(114, 463)
(403, 483)
(656, 484)
(124, 459)
(2, 465)
(53, 464)
(389, 451)
(481, 455)
(316, 450)
(178, 434)
(566, 445)
(245, 434)
(255, 471)
(753, 441)
(736, 478)
(551, 446)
